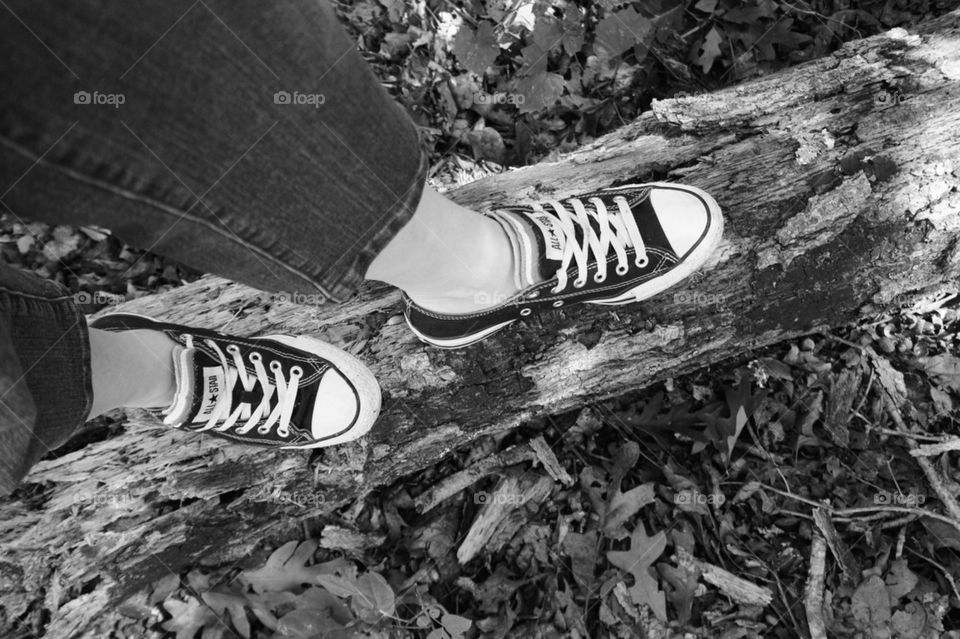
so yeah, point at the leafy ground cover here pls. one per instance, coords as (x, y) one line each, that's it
(687, 510)
(694, 508)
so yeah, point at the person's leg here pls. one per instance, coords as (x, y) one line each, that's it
(45, 333)
(448, 258)
(244, 138)
(56, 372)
(131, 369)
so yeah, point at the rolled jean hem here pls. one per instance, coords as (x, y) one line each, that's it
(343, 286)
(50, 368)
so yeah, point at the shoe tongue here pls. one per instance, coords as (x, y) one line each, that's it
(201, 386)
(538, 241)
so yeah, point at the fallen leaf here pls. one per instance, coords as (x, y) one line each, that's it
(944, 368)
(643, 552)
(900, 579)
(476, 50)
(228, 603)
(870, 606)
(619, 31)
(306, 624)
(375, 598)
(539, 91)
(286, 568)
(187, 617)
(684, 587)
(456, 625)
(582, 550)
(623, 506)
(709, 50)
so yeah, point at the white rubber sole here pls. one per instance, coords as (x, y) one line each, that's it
(355, 371)
(462, 341)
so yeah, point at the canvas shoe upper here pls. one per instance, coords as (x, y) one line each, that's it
(612, 246)
(282, 391)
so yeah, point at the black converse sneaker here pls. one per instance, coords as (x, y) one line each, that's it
(612, 246)
(281, 391)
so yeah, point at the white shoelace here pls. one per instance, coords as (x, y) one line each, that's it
(284, 389)
(617, 230)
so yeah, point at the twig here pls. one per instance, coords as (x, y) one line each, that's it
(946, 573)
(550, 462)
(900, 433)
(919, 512)
(929, 450)
(737, 588)
(845, 559)
(813, 590)
(936, 482)
(450, 486)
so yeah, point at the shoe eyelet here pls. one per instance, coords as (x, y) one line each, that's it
(275, 365)
(233, 348)
(598, 278)
(525, 311)
(642, 263)
(555, 290)
(579, 283)
(263, 431)
(256, 357)
(534, 295)
(622, 269)
(558, 304)
(296, 370)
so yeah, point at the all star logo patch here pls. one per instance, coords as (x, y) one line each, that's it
(552, 235)
(213, 384)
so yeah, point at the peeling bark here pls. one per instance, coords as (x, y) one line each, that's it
(838, 182)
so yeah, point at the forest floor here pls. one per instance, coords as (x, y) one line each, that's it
(695, 508)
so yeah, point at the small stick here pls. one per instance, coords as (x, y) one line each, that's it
(450, 486)
(936, 482)
(737, 588)
(919, 512)
(550, 462)
(928, 450)
(813, 590)
(900, 433)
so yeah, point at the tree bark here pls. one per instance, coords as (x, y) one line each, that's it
(838, 180)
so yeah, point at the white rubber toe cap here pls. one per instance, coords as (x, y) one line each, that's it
(683, 215)
(337, 407)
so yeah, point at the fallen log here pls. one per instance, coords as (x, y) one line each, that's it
(838, 179)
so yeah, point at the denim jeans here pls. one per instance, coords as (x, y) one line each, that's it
(247, 139)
